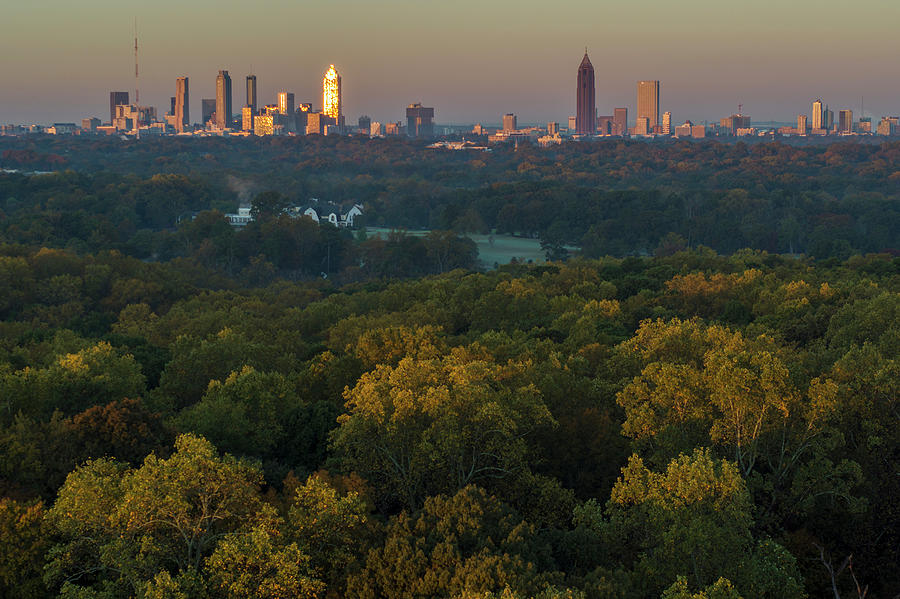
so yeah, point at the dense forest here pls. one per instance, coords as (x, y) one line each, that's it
(688, 425)
(609, 198)
(701, 403)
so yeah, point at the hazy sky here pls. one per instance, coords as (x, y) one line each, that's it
(471, 60)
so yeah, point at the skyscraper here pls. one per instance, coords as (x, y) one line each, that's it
(223, 100)
(585, 103)
(667, 123)
(251, 92)
(648, 102)
(620, 121)
(801, 124)
(818, 114)
(845, 121)
(116, 99)
(419, 121)
(331, 94)
(286, 103)
(509, 122)
(182, 110)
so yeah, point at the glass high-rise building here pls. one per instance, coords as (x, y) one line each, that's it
(223, 100)
(286, 103)
(116, 99)
(585, 101)
(251, 92)
(331, 94)
(182, 109)
(818, 114)
(419, 121)
(648, 102)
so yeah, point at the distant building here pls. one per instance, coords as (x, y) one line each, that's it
(393, 128)
(648, 102)
(247, 117)
(730, 125)
(316, 122)
(818, 114)
(223, 101)
(116, 99)
(61, 129)
(605, 125)
(642, 126)
(419, 121)
(685, 130)
(264, 124)
(845, 122)
(364, 125)
(509, 122)
(241, 219)
(571, 124)
(207, 109)
(667, 123)
(864, 125)
(332, 213)
(828, 125)
(376, 129)
(802, 128)
(182, 109)
(887, 126)
(585, 100)
(552, 128)
(698, 131)
(90, 124)
(286, 103)
(251, 92)
(620, 122)
(331, 94)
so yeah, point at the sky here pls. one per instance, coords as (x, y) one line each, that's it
(472, 60)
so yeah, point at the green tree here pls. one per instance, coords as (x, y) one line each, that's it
(436, 425)
(119, 528)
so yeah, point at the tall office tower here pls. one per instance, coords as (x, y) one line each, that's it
(223, 100)
(251, 92)
(828, 119)
(620, 121)
(172, 105)
(552, 128)
(247, 116)
(642, 126)
(667, 123)
(818, 114)
(182, 110)
(585, 100)
(419, 121)
(648, 102)
(286, 103)
(509, 122)
(116, 99)
(845, 121)
(801, 124)
(207, 109)
(331, 94)
(364, 124)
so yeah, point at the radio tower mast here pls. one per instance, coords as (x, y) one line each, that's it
(137, 97)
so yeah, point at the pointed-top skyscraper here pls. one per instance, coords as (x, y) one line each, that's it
(586, 112)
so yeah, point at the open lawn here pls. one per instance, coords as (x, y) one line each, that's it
(492, 249)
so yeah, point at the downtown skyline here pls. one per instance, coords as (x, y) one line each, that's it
(466, 60)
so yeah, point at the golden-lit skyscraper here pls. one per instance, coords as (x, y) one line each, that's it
(182, 104)
(331, 94)
(818, 114)
(286, 103)
(667, 123)
(648, 102)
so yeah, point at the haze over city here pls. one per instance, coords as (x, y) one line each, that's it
(472, 61)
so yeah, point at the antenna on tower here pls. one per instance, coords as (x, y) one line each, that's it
(137, 93)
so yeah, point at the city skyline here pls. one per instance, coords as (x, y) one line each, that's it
(763, 61)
